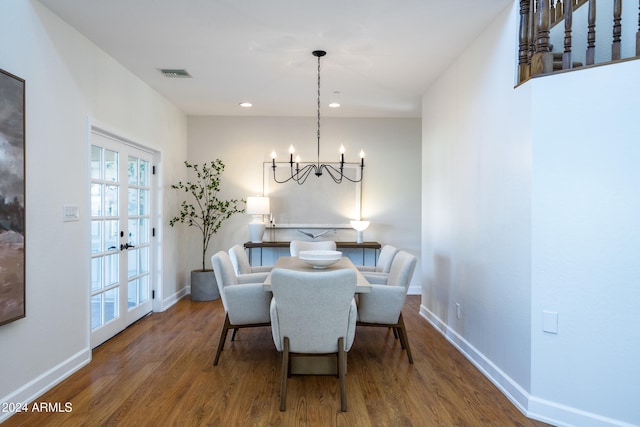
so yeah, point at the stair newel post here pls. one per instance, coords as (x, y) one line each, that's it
(542, 61)
(568, 18)
(523, 48)
(617, 29)
(591, 33)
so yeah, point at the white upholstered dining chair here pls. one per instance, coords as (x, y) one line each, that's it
(313, 313)
(383, 305)
(300, 245)
(241, 264)
(246, 304)
(380, 272)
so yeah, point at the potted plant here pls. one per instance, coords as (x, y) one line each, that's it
(207, 213)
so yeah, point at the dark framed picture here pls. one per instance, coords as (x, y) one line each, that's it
(12, 198)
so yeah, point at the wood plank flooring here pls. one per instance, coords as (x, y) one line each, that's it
(159, 372)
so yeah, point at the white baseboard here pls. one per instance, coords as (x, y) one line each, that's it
(562, 415)
(172, 299)
(518, 396)
(531, 406)
(38, 386)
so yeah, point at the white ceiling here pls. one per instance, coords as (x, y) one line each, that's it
(381, 54)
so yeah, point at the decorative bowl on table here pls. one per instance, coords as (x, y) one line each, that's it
(320, 258)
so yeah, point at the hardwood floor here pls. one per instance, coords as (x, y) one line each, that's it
(159, 372)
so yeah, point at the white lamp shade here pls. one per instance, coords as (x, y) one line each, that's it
(359, 226)
(258, 205)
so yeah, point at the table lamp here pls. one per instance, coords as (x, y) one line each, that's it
(257, 207)
(359, 226)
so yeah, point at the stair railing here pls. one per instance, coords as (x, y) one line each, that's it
(537, 17)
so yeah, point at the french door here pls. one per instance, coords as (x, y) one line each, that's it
(121, 279)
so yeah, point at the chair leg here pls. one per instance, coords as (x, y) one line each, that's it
(233, 334)
(283, 376)
(404, 338)
(223, 337)
(342, 368)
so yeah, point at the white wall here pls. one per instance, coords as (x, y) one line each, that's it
(586, 242)
(530, 203)
(476, 207)
(70, 84)
(392, 173)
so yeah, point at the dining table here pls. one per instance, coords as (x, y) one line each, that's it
(295, 263)
(316, 364)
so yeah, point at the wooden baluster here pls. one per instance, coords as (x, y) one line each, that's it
(568, 18)
(532, 31)
(553, 12)
(617, 29)
(523, 49)
(591, 33)
(542, 60)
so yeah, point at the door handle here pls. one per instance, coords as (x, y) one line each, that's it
(126, 246)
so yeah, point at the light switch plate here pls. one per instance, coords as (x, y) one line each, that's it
(550, 321)
(70, 213)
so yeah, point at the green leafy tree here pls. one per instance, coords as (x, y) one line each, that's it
(206, 212)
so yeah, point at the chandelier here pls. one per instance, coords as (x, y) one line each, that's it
(334, 169)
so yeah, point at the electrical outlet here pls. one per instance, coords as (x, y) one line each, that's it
(458, 311)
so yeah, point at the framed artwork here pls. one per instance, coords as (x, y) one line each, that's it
(12, 198)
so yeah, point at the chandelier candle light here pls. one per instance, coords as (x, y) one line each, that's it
(300, 175)
(257, 207)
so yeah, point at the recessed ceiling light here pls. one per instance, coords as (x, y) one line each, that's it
(246, 104)
(334, 105)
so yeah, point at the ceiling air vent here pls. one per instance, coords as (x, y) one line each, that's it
(175, 73)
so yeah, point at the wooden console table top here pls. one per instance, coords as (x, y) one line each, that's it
(339, 245)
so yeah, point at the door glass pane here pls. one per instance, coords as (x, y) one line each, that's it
(133, 232)
(144, 204)
(110, 305)
(96, 311)
(111, 269)
(96, 236)
(110, 166)
(132, 294)
(96, 273)
(143, 231)
(144, 173)
(143, 259)
(133, 265)
(111, 234)
(96, 199)
(96, 162)
(143, 284)
(132, 171)
(111, 200)
(132, 202)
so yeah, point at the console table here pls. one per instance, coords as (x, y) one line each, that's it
(339, 245)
